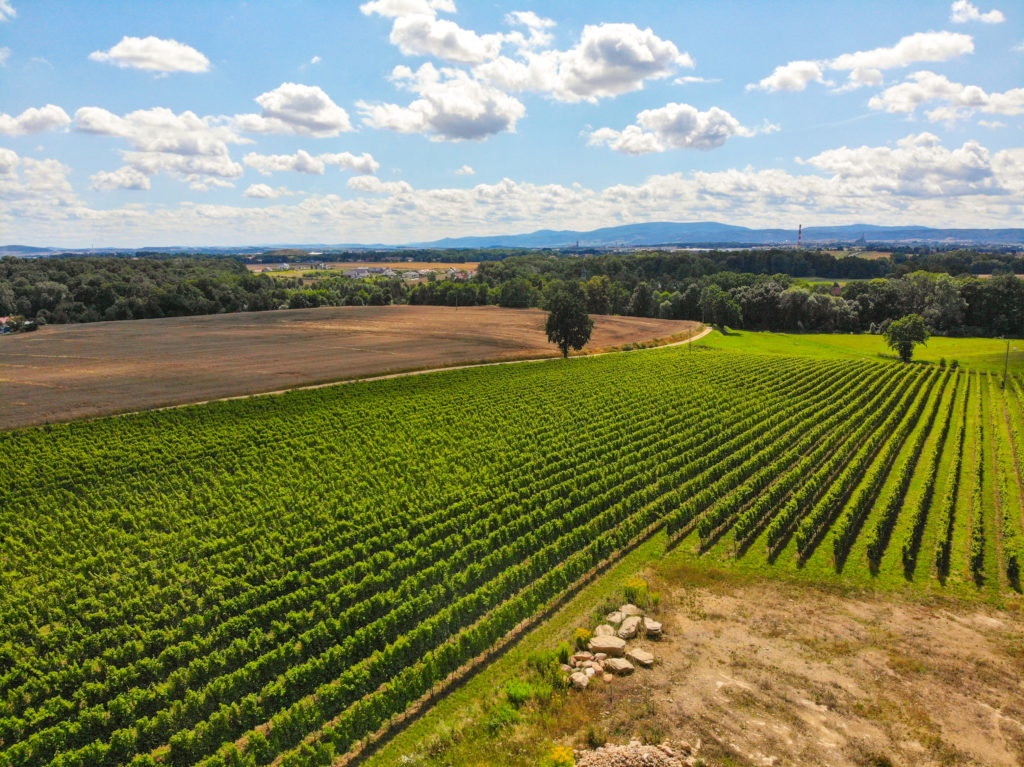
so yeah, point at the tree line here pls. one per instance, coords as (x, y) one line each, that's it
(692, 286)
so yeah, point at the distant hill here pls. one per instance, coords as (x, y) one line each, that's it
(695, 234)
(709, 232)
(24, 250)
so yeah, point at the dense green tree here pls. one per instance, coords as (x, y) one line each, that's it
(719, 308)
(641, 302)
(568, 325)
(904, 334)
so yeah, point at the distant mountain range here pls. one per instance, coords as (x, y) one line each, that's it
(711, 233)
(699, 233)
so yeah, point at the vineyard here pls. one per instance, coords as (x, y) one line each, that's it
(270, 581)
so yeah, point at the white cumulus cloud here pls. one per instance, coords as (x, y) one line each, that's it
(465, 170)
(866, 67)
(126, 177)
(267, 192)
(296, 108)
(34, 120)
(451, 106)
(917, 166)
(192, 148)
(793, 76)
(374, 185)
(153, 54)
(303, 162)
(960, 100)
(5, 55)
(963, 11)
(673, 126)
(7, 11)
(8, 161)
(608, 60)
(417, 31)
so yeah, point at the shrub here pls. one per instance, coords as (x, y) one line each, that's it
(596, 736)
(564, 651)
(580, 638)
(518, 692)
(560, 756)
(636, 591)
(501, 717)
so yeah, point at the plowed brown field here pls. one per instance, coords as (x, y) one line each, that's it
(65, 372)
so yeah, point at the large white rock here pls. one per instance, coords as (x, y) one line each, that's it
(604, 630)
(611, 646)
(579, 680)
(629, 627)
(640, 657)
(614, 618)
(652, 628)
(630, 609)
(619, 666)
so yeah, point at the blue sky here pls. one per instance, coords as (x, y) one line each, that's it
(230, 123)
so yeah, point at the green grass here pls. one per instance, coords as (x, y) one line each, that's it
(982, 354)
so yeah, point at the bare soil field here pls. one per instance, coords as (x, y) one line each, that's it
(65, 372)
(777, 673)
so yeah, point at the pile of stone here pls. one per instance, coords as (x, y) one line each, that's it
(607, 655)
(638, 755)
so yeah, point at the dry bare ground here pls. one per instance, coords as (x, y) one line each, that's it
(64, 372)
(770, 672)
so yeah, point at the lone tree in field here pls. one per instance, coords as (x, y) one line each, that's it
(904, 334)
(568, 324)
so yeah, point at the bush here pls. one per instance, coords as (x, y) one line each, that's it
(518, 692)
(596, 736)
(953, 364)
(560, 756)
(564, 651)
(501, 717)
(942, 362)
(580, 638)
(636, 591)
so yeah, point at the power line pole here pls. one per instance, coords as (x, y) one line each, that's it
(1006, 363)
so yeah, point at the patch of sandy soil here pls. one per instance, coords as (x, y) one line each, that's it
(772, 673)
(64, 372)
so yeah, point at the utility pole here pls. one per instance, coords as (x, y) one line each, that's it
(1006, 363)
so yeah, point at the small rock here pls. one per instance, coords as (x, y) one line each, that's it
(607, 677)
(615, 617)
(604, 630)
(640, 657)
(582, 656)
(628, 610)
(599, 656)
(566, 668)
(589, 671)
(579, 680)
(629, 627)
(652, 628)
(611, 646)
(619, 666)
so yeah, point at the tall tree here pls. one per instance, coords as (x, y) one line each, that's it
(568, 324)
(904, 334)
